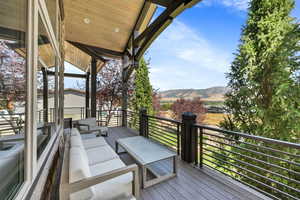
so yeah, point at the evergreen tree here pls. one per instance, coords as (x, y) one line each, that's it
(142, 95)
(264, 98)
(265, 90)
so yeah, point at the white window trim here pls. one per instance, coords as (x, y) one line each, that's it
(31, 165)
(47, 23)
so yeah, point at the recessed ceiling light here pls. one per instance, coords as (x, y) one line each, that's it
(87, 20)
(117, 30)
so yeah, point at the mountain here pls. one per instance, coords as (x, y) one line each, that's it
(209, 94)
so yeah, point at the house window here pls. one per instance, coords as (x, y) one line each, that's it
(52, 11)
(13, 27)
(45, 88)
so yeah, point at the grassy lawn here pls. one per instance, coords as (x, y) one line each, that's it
(214, 118)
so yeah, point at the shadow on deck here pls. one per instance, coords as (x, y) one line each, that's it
(190, 183)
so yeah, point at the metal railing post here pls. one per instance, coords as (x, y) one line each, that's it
(201, 147)
(178, 138)
(143, 122)
(117, 118)
(188, 137)
(124, 118)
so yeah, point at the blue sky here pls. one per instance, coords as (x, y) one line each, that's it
(196, 50)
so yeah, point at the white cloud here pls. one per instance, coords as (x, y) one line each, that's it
(192, 48)
(182, 58)
(240, 5)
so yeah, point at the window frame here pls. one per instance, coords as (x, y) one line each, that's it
(33, 166)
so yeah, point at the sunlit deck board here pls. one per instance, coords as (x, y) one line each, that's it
(190, 184)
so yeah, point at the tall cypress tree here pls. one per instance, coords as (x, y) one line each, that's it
(264, 77)
(265, 97)
(142, 96)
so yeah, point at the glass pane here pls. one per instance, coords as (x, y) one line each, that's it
(56, 93)
(12, 95)
(61, 93)
(45, 89)
(51, 96)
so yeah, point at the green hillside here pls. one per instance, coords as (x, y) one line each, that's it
(213, 92)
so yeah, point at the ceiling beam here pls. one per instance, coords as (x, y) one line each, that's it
(99, 51)
(164, 3)
(161, 22)
(71, 75)
(144, 40)
(87, 50)
(138, 24)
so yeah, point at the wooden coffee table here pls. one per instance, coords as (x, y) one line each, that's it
(146, 152)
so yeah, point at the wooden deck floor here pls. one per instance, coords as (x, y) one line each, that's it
(190, 184)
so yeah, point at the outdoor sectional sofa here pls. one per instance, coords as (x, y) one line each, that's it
(92, 170)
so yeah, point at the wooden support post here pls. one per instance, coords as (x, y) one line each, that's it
(143, 122)
(124, 98)
(188, 137)
(45, 94)
(93, 87)
(87, 95)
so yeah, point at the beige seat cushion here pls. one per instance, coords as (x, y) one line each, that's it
(94, 142)
(79, 170)
(116, 188)
(76, 141)
(75, 132)
(100, 154)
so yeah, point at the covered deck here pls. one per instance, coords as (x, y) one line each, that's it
(43, 35)
(190, 183)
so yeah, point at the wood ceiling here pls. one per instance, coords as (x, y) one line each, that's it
(107, 24)
(13, 17)
(79, 58)
(101, 28)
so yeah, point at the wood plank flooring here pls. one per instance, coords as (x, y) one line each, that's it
(190, 184)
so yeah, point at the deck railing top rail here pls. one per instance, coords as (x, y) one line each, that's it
(254, 137)
(164, 119)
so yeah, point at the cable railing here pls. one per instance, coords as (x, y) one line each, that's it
(76, 113)
(269, 166)
(13, 123)
(109, 118)
(163, 130)
(133, 120)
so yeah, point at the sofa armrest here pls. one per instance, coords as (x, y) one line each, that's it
(78, 125)
(88, 182)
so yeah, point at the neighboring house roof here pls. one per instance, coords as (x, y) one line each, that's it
(74, 91)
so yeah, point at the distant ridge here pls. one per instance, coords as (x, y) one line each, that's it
(209, 94)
